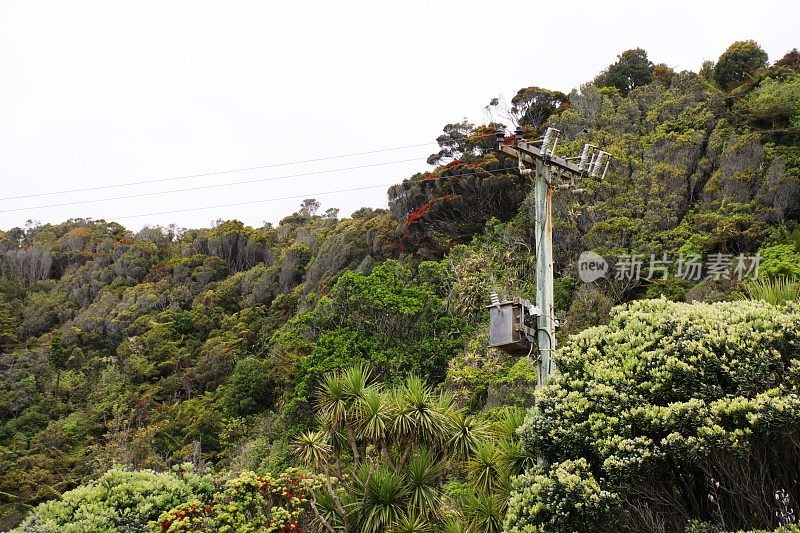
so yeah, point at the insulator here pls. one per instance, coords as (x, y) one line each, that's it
(599, 161)
(587, 149)
(548, 137)
(608, 161)
(494, 298)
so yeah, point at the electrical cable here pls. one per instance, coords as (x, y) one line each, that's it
(251, 202)
(231, 171)
(306, 195)
(214, 173)
(220, 185)
(202, 187)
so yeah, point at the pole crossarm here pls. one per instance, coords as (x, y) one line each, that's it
(530, 154)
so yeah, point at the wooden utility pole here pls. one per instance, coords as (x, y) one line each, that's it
(550, 172)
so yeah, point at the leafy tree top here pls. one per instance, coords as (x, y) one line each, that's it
(738, 63)
(632, 69)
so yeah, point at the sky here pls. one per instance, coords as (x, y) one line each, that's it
(109, 93)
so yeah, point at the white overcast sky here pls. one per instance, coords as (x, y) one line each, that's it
(109, 92)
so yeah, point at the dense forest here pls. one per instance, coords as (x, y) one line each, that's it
(332, 374)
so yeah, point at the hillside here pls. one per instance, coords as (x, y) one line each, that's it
(356, 347)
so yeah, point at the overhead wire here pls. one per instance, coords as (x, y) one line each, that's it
(229, 171)
(251, 202)
(306, 195)
(214, 173)
(213, 186)
(273, 178)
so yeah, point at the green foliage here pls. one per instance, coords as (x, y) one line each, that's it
(483, 376)
(776, 103)
(773, 290)
(738, 63)
(590, 307)
(9, 326)
(664, 385)
(780, 260)
(453, 143)
(496, 261)
(397, 452)
(632, 69)
(674, 289)
(441, 213)
(120, 500)
(533, 106)
(249, 503)
(250, 389)
(564, 498)
(212, 345)
(383, 319)
(791, 60)
(179, 501)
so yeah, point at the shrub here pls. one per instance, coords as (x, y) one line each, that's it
(566, 497)
(118, 500)
(250, 389)
(659, 404)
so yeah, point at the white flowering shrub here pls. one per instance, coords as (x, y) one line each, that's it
(654, 408)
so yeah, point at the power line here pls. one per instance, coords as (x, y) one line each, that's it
(215, 173)
(298, 196)
(220, 172)
(214, 186)
(251, 202)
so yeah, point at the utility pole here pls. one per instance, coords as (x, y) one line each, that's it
(517, 325)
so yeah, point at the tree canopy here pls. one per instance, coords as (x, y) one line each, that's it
(738, 63)
(632, 69)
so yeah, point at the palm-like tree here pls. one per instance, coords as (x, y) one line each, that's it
(483, 469)
(335, 509)
(421, 416)
(508, 422)
(338, 397)
(385, 498)
(412, 522)
(466, 433)
(356, 380)
(775, 291)
(374, 412)
(484, 512)
(514, 457)
(312, 448)
(452, 525)
(333, 402)
(406, 442)
(423, 477)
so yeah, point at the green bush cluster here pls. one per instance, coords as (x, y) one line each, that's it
(179, 501)
(120, 500)
(656, 404)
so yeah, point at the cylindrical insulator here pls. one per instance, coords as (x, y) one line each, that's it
(587, 148)
(548, 135)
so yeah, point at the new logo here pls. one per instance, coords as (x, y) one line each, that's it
(591, 267)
